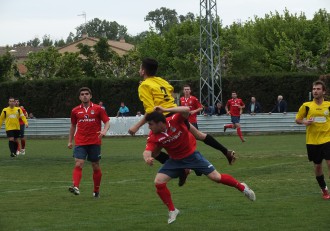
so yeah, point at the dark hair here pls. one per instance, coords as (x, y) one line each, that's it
(320, 82)
(150, 66)
(85, 89)
(10, 97)
(156, 117)
(186, 85)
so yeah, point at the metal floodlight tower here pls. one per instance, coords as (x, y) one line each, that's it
(210, 72)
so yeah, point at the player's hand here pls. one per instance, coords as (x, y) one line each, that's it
(308, 122)
(149, 161)
(70, 145)
(101, 134)
(26, 125)
(159, 109)
(132, 130)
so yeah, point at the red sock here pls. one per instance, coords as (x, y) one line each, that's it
(231, 181)
(165, 195)
(76, 176)
(229, 125)
(18, 147)
(239, 133)
(23, 143)
(97, 175)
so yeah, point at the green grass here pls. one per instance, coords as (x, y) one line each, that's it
(34, 189)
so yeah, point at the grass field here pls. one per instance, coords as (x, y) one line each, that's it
(34, 189)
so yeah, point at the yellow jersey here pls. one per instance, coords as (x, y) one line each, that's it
(319, 131)
(11, 117)
(155, 91)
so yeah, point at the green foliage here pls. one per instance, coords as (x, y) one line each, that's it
(162, 18)
(7, 66)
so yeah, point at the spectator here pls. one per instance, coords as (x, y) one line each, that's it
(219, 109)
(101, 105)
(280, 107)
(123, 110)
(31, 116)
(138, 114)
(208, 110)
(254, 106)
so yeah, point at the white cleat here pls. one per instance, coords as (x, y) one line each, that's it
(22, 152)
(249, 193)
(74, 190)
(172, 216)
(17, 153)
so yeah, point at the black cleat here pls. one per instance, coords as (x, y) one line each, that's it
(96, 194)
(183, 177)
(231, 157)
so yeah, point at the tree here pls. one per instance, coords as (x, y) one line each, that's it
(46, 41)
(7, 66)
(33, 42)
(162, 18)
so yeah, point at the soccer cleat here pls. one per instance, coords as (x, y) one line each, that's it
(13, 155)
(17, 153)
(22, 152)
(172, 216)
(224, 128)
(74, 190)
(183, 177)
(96, 194)
(243, 140)
(325, 194)
(249, 193)
(231, 157)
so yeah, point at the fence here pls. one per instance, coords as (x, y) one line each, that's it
(210, 124)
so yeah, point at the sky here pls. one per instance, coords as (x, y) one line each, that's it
(23, 20)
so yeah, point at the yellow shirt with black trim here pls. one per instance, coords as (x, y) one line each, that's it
(155, 91)
(11, 117)
(319, 131)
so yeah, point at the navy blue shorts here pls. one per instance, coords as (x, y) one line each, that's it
(317, 153)
(12, 133)
(21, 131)
(173, 168)
(235, 119)
(91, 152)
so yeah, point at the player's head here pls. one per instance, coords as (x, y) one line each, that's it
(11, 102)
(156, 121)
(85, 94)
(148, 67)
(279, 98)
(16, 102)
(233, 94)
(319, 89)
(186, 90)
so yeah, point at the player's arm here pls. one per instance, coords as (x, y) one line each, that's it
(148, 158)
(22, 116)
(300, 117)
(132, 130)
(199, 107)
(183, 110)
(71, 134)
(227, 110)
(105, 129)
(2, 118)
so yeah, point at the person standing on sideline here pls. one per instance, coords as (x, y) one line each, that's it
(11, 116)
(316, 117)
(21, 150)
(155, 91)
(191, 102)
(172, 134)
(123, 110)
(234, 108)
(86, 129)
(254, 106)
(281, 106)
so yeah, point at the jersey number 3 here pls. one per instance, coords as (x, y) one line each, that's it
(166, 98)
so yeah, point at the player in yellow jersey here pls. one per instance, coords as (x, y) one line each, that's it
(11, 116)
(155, 91)
(315, 116)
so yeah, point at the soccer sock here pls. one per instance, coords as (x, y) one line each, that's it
(15, 146)
(12, 146)
(229, 125)
(321, 181)
(162, 157)
(209, 140)
(18, 147)
(165, 195)
(97, 175)
(231, 181)
(23, 143)
(239, 133)
(76, 176)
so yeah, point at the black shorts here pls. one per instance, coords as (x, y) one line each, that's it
(13, 133)
(91, 152)
(317, 153)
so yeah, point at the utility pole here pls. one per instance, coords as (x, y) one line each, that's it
(210, 72)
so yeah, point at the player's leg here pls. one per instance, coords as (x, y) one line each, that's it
(11, 144)
(22, 137)
(209, 140)
(239, 131)
(80, 154)
(232, 125)
(94, 155)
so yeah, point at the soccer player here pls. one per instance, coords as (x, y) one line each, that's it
(234, 108)
(86, 129)
(21, 150)
(172, 134)
(315, 116)
(11, 116)
(193, 103)
(155, 91)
